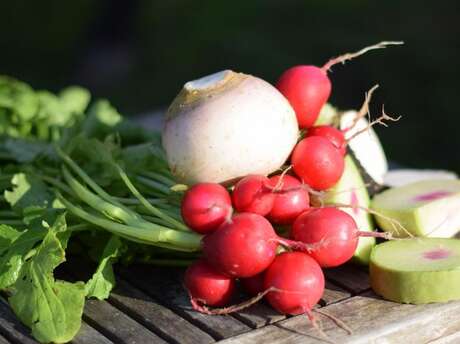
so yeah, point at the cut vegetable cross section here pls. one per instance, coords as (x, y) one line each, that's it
(418, 270)
(426, 208)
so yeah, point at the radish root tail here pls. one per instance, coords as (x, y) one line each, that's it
(373, 234)
(364, 110)
(397, 226)
(200, 307)
(317, 326)
(279, 185)
(336, 320)
(349, 56)
(381, 120)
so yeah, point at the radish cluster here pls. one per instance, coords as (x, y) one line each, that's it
(240, 241)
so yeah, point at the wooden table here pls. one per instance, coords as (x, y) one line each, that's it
(149, 305)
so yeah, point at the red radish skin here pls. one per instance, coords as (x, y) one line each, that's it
(254, 285)
(252, 195)
(205, 207)
(317, 162)
(298, 281)
(334, 135)
(245, 246)
(290, 200)
(307, 88)
(334, 228)
(208, 286)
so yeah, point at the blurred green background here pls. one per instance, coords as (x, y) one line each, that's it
(139, 53)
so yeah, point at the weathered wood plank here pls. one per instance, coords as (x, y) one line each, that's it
(3, 340)
(453, 338)
(262, 314)
(165, 285)
(87, 334)
(12, 328)
(117, 326)
(351, 277)
(147, 311)
(259, 315)
(370, 318)
(333, 293)
(156, 317)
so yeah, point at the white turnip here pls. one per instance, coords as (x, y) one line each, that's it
(227, 125)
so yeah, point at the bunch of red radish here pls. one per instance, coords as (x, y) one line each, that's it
(240, 242)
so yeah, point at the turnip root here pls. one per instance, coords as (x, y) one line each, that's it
(227, 125)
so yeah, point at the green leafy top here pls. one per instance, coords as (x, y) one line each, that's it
(57, 305)
(70, 163)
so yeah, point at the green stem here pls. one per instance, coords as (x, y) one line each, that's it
(80, 228)
(56, 183)
(122, 214)
(42, 131)
(160, 236)
(154, 185)
(171, 211)
(154, 211)
(87, 179)
(156, 220)
(135, 201)
(159, 177)
(8, 213)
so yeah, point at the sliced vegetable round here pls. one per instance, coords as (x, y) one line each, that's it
(417, 270)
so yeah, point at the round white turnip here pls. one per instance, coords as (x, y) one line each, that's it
(228, 125)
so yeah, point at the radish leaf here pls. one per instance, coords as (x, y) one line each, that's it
(51, 308)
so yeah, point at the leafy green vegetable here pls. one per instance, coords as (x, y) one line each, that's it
(25, 113)
(103, 280)
(51, 308)
(102, 117)
(74, 99)
(14, 246)
(25, 151)
(107, 178)
(28, 191)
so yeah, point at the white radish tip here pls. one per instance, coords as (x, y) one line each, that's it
(209, 81)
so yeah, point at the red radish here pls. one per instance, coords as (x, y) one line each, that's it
(254, 285)
(317, 162)
(245, 246)
(205, 207)
(308, 87)
(208, 286)
(298, 280)
(334, 135)
(252, 195)
(290, 200)
(333, 233)
(331, 226)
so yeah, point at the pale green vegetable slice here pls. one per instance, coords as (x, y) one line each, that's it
(417, 270)
(426, 208)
